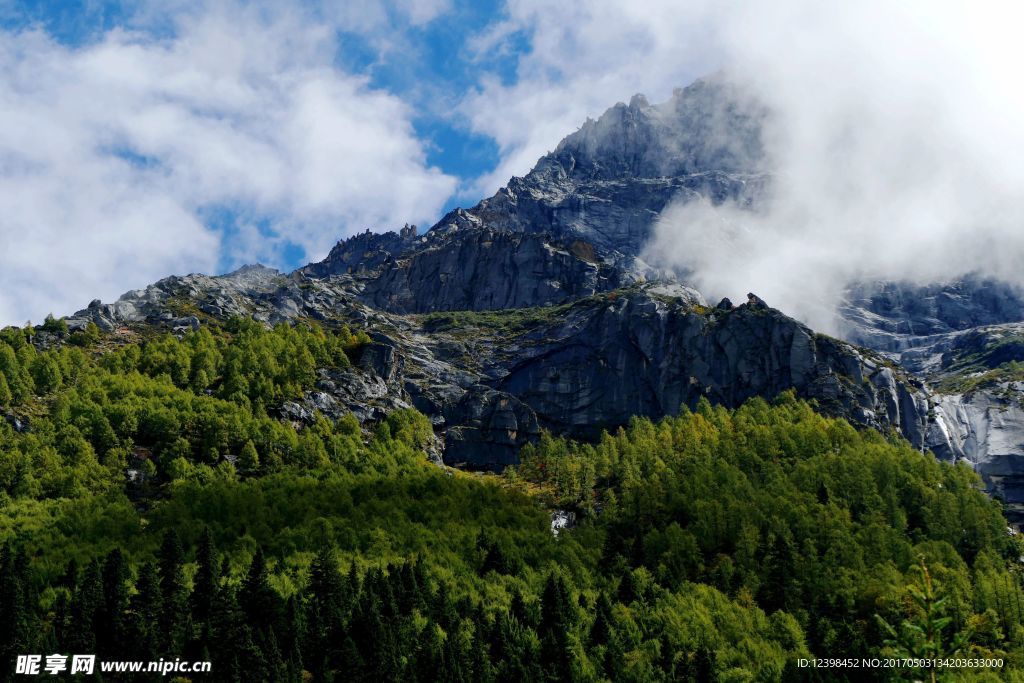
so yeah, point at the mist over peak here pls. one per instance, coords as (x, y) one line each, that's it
(891, 159)
(710, 125)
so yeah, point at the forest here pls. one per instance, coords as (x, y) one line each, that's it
(155, 504)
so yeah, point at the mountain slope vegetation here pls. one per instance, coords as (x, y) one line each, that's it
(155, 503)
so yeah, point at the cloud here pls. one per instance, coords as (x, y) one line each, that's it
(895, 142)
(113, 153)
(420, 12)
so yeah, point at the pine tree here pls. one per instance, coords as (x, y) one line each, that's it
(351, 665)
(275, 663)
(46, 374)
(520, 611)
(204, 583)
(601, 629)
(925, 635)
(259, 602)
(249, 460)
(325, 605)
(290, 639)
(146, 611)
(705, 665)
(55, 325)
(226, 626)
(16, 605)
(555, 624)
(629, 591)
(355, 586)
(85, 610)
(480, 667)
(113, 637)
(173, 594)
(781, 586)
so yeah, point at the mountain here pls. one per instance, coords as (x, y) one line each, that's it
(556, 322)
(254, 453)
(607, 183)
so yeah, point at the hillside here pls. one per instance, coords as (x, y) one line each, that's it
(716, 544)
(507, 448)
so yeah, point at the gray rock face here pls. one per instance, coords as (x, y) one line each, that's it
(618, 216)
(978, 378)
(591, 366)
(365, 252)
(986, 429)
(18, 424)
(710, 125)
(575, 225)
(895, 316)
(161, 303)
(490, 380)
(643, 355)
(939, 332)
(475, 269)
(488, 429)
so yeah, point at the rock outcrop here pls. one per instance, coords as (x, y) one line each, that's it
(474, 269)
(638, 354)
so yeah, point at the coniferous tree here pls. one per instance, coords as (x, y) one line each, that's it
(17, 630)
(114, 636)
(262, 610)
(601, 629)
(173, 595)
(520, 610)
(204, 583)
(325, 612)
(291, 639)
(628, 591)
(258, 601)
(555, 624)
(781, 585)
(227, 631)
(146, 612)
(705, 664)
(86, 606)
(351, 664)
(249, 460)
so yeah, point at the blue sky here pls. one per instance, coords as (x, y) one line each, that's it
(432, 63)
(148, 138)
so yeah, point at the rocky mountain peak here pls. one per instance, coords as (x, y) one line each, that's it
(712, 125)
(607, 183)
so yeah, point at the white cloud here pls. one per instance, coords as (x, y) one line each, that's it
(897, 141)
(110, 152)
(420, 12)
